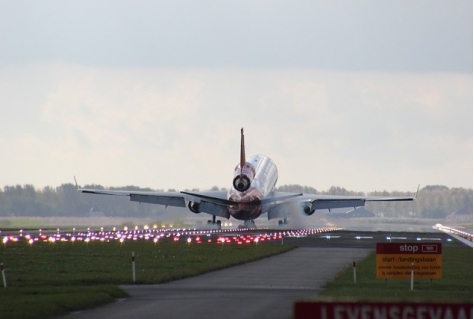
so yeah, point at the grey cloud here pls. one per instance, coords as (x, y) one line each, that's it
(343, 35)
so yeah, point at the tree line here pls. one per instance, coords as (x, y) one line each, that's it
(64, 201)
(433, 201)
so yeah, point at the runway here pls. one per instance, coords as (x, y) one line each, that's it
(263, 289)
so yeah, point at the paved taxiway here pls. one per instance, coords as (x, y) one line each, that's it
(263, 289)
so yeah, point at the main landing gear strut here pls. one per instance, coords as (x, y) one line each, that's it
(248, 224)
(213, 222)
(283, 222)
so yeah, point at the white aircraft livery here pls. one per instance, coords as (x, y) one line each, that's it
(252, 194)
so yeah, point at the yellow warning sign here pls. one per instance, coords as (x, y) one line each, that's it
(395, 260)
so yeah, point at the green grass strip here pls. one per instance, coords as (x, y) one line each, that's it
(48, 279)
(454, 286)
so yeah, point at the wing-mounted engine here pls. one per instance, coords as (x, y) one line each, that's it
(307, 210)
(288, 209)
(194, 207)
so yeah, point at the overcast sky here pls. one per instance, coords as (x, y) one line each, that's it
(366, 95)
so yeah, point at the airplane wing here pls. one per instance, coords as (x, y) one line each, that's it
(212, 202)
(334, 201)
(309, 203)
(161, 198)
(277, 205)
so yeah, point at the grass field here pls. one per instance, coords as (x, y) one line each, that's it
(454, 286)
(47, 279)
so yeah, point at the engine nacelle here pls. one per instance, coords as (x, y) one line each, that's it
(243, 177)
(194, 207)
(307, 210)
(241, 183)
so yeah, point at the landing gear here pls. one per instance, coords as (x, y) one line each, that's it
(248, 224)
(283, 222)
(215, 223)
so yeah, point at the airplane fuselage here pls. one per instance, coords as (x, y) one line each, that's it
(261, 174)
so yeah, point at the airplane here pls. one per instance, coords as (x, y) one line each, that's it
(251, 195)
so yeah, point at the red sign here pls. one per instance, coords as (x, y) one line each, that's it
(409, 248)
(375, 310)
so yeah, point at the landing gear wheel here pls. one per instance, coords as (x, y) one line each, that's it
(215, 223)
(248, 224)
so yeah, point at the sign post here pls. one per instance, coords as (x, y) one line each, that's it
(3, 275)
(354, 271)
(133, 266)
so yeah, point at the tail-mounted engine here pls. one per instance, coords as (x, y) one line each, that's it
(194, 207)
(243, 177)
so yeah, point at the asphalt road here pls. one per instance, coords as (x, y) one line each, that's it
(263, 289)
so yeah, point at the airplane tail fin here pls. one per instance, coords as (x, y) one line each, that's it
(242, 149)
(243, 177)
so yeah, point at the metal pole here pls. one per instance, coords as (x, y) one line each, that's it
(412, 275)
(354, 271)
(3, 275)
(133, 266)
